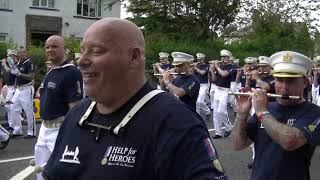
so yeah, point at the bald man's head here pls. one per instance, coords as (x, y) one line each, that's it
(112, 60)
(55, 49)
(123, 32)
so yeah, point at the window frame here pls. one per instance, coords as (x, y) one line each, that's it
(6, 36)
(39, 4)
(7, 3)
(97, 9)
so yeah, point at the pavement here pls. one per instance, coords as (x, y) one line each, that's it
(15, 158)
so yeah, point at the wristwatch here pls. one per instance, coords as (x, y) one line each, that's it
(260, 116)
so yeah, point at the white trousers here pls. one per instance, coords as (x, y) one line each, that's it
(212, 90)
(232, 98)
(44, 146)
(220, 111)
(8, 104)
(4, 134)
(23, 99)
(314, 94)
(201, 105)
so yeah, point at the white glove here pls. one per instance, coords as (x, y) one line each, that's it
(15, 71)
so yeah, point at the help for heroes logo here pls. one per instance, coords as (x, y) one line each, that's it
(119, 156)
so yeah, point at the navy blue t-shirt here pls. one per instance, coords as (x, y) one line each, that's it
(9, 78)
(166, 67)
(272, 162)
(202, 78)
(234, 75)
(225, 81)
(165, 140)
(191, 85)
(60, 86)
(24, 67)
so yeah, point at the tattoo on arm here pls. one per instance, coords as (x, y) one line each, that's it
(290, 138)
(240, 138)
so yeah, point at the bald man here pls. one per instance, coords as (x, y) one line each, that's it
(60, 90)
(126, 129)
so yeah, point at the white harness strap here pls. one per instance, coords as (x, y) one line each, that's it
(135, 109)
(129, 115)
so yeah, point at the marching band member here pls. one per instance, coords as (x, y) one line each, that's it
(9, 81)
(186, 86)
(126, 129)
(244, 74)
(315, 81)
(23, 95)
(263, 79)
(233, 85)
(222, 77)
(201, 70)
(285, 132)
(161, 67)
(60, 90)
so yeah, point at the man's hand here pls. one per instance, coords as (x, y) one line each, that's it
(255, 75)
(243, 104)
(260, 100)
(15, 71)
(166, 77)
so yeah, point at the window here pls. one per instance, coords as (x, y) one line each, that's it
(4, 37)
(4, 4)
(89, 8)
(43, 3)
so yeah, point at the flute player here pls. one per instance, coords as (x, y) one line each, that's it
(285, 132)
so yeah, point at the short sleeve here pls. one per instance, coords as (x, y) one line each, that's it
(73, 87)
(191, 87)
(311, 129)
(190, 152)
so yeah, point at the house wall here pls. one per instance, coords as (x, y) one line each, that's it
(13, 21)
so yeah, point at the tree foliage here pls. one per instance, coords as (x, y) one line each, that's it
(305, 11)
(198, 18)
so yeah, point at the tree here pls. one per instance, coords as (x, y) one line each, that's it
(197, 18)
(305, 11)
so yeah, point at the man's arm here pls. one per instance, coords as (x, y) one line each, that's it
(29, 76)
(223, 73)
(290, 138)
(202, 72)
(240, 139)
(175, 90)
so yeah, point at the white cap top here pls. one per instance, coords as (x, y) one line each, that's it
(236, 61)
(180, 58)
(250, 60)
(77, 55)
(163, 55)
(263, 60)
(11, 52)
(225, 52)
(316, 59)
(200, 56)
(290, 64)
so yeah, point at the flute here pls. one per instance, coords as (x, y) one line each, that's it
(258, 73)
(210, 62)
(268, 94)
(158, 74)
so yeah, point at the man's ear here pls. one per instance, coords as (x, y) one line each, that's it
(136, 57)
(306, 81)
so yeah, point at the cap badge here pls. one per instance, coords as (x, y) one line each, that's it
(287, 58)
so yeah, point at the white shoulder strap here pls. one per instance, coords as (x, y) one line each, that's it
(129, 115)
(135, 109)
